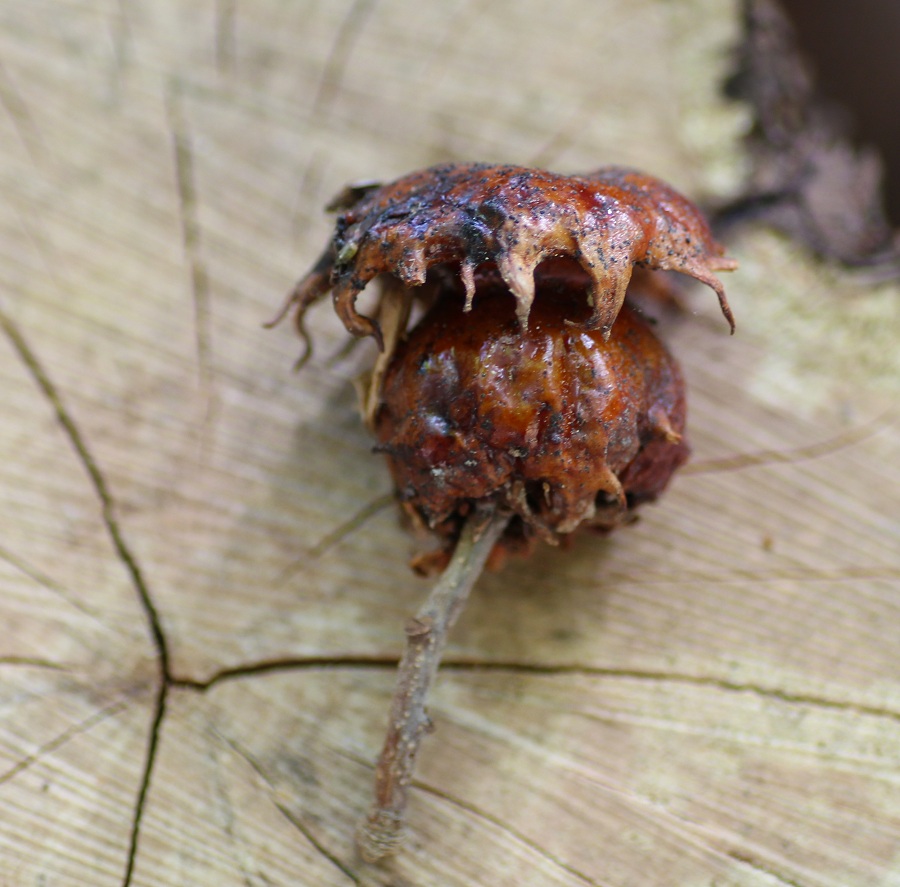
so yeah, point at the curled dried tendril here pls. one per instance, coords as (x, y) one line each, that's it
(608, 221)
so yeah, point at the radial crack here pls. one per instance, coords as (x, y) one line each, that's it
(107, 505)
(190, 230)
(45, 582)
(228, 819)
(336, 63)
(258, 769)
(225, 35)
(122, 550)
(59, 741)
(481, 814)
(337, 535)
(793, 455)
(506, 827)
(152, 747)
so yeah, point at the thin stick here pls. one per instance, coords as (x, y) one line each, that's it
(382, 832)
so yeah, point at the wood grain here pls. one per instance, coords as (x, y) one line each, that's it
(194, 691)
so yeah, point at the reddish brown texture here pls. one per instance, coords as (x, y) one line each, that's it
(526, 386)
(552, 421)
(465, 214)
(528, 400)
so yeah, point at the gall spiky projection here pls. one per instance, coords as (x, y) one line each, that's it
(608, 221)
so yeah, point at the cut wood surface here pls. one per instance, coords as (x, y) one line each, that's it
(198, 639)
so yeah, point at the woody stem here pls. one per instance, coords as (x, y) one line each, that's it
(426, 633)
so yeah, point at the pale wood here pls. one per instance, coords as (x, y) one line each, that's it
(710, 697)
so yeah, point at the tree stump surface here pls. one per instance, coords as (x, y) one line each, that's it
(198, 639)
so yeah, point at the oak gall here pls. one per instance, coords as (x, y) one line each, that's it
(529, 399)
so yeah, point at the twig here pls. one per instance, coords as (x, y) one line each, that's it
(382, 832)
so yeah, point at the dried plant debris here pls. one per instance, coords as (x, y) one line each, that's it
(529, 399)
(807, 178)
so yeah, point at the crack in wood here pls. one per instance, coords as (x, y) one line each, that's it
(66, 736)
(107, 505)
(268, 666)
(337, 535)
(125, 556)
(34, 662)
(46, 582)
(464, 665)
(228, 819)
(678, 825)
(751, 862)
(146, 778)
(711, 839)
(259, 770)
(688, 831)
(663, 677)
(226, 36)
(508, 829)
(700, 836)
(790, 574)
(336, 63)
(479, 813)
(794, 455)
(186, 189)
(297, 824)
